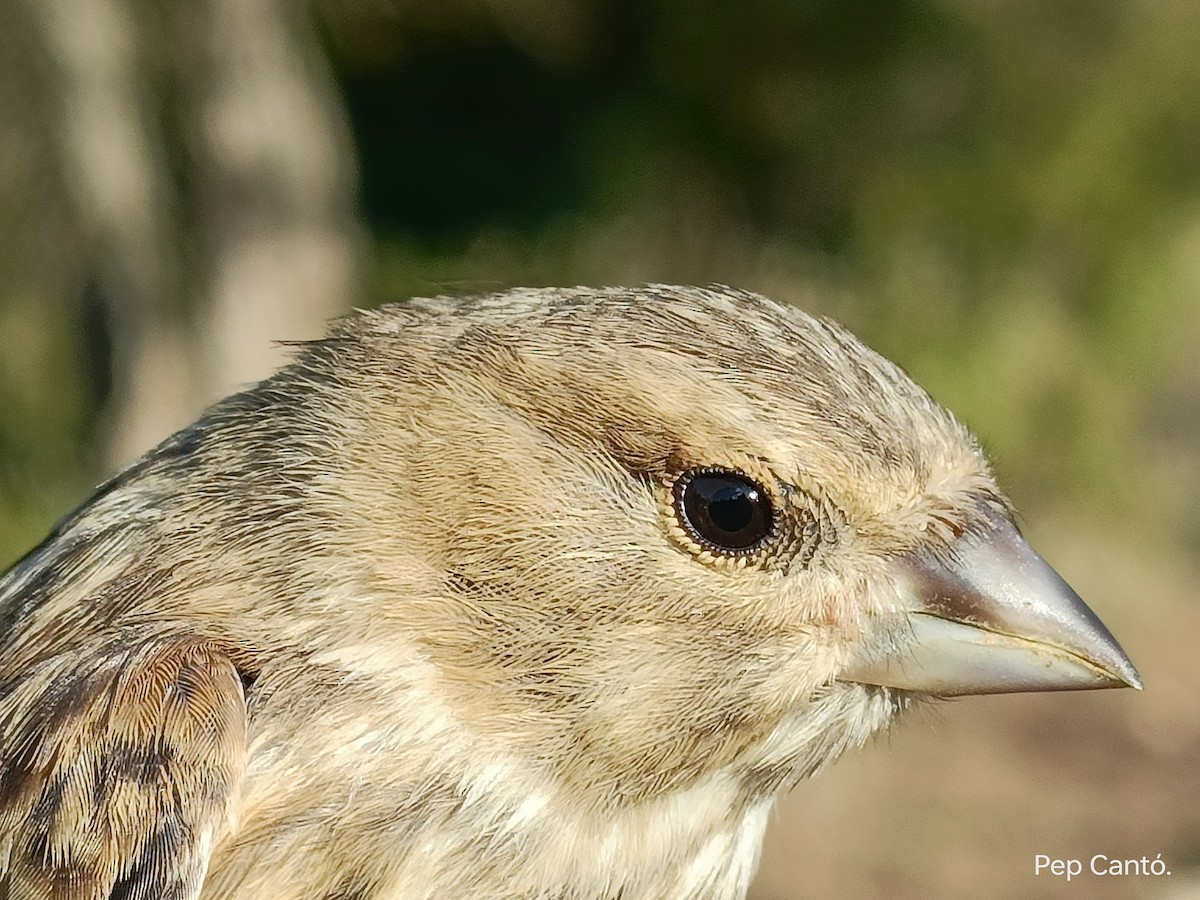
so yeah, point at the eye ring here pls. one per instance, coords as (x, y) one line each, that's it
(723, 510)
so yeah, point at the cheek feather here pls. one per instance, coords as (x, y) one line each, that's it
(546, 593)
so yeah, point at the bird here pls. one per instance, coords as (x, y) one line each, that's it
(544, 593)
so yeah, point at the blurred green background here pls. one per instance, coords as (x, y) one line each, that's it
(1003, 197)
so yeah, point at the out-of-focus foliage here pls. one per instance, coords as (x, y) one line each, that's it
(176, 189)
(1004, 197)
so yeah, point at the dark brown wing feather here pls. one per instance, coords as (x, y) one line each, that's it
(117, 766)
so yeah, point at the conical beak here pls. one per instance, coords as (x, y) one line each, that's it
(991, 617)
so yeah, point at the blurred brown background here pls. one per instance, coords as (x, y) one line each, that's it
(1003, 197)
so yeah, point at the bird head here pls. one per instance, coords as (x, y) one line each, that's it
(648, 536)
(543, 593)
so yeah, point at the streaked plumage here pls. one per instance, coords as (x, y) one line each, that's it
(432, 611)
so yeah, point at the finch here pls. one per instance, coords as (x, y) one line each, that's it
(542, 594)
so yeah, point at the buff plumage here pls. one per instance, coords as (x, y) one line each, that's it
(436, 610)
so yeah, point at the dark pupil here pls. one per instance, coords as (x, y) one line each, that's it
(726, 510)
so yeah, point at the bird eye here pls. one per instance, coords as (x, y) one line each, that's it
(723, 510)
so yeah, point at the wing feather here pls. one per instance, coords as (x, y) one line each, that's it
(118, 767)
